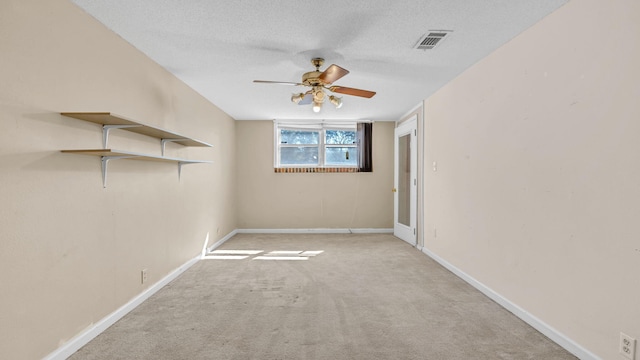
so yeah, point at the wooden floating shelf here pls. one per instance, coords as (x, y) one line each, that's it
(131, 155)
(110, 120)
(108, 154)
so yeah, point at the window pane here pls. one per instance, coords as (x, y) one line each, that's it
(299, 155)
(299, 137)
(404, 180)
(340, 137)
(341, 156)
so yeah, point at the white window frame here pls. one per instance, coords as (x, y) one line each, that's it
(321, 128)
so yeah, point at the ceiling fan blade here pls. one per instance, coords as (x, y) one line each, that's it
(352, 91)
(307, 99)
(332, 73)
(276, 82)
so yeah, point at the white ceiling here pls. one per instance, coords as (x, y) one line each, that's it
(219, 47)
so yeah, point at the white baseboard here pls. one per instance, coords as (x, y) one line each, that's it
(536, 323)
(221, 241)
(80, 340)
(315, 231)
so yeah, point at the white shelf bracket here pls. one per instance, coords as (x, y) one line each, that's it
(180, 163)
(107, 128)
(165, 141)
(105, 163)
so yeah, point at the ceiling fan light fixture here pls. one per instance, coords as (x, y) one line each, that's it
(336, 101)
(296, 98)
(318, 81)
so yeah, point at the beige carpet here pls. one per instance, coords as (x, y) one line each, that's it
(331, 297)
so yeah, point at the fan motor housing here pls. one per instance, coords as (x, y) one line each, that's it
(311, 78)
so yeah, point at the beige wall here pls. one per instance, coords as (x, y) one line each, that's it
(537, 190)
(71, 252)
(267, 200)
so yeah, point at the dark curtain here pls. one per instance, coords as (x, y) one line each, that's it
(364, 135)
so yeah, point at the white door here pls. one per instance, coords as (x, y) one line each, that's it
(405, 181)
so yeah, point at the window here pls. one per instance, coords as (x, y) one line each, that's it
(340, 148)
(299, 147)
(316, 145)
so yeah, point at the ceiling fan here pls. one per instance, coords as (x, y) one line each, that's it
(318, 81)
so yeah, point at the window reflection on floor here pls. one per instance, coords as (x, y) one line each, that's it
(240, 252)
(224, 257)
(295, 255)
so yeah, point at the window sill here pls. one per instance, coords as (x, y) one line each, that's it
(316, 170)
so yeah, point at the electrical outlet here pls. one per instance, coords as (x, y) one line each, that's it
(143, 276)
(627, 346)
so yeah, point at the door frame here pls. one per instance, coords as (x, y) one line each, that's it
(406, 233)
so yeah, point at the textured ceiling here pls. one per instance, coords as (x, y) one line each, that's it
(218, 48)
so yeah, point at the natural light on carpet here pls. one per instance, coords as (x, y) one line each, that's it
(286, 255)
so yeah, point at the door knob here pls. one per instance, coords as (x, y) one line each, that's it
(393, 190)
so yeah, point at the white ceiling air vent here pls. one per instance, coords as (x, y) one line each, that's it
(431, 39)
